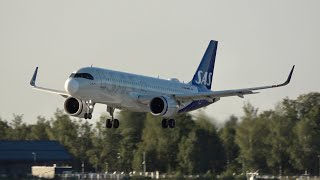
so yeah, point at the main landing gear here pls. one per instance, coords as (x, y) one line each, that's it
(90, 105)
(168, 123)
(111, 122)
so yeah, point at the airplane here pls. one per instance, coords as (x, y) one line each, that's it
(125, 91)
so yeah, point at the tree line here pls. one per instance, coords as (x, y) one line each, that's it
(283, 140)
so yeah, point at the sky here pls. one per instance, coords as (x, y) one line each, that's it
(259, 41)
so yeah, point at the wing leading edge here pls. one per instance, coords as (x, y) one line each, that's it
(33, 84)
(225, 93)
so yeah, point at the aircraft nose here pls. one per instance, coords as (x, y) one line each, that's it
(71, 86)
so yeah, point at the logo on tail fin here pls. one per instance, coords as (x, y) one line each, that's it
(204, 74)
(204, 78)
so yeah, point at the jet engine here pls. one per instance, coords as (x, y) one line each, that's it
(75, 107)
(163, 106)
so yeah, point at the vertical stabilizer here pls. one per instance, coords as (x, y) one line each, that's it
(204, 74)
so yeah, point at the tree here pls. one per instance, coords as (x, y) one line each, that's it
(84, 141)
(202, 150)
(65, 131)
(161, 145)
(20, 131)
(132, 124)
(105, 147)
(186, 153)
(4, 129)
(305, 149)
(280, 140)
(251, 137)
(285, 138)
(40, 130)
(155, 144)
(228, 135)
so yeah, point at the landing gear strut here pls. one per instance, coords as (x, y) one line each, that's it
(90, 105)
(111, 122)
(168, 123)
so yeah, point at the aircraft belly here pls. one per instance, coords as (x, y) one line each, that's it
(120, 98)
(136, 107)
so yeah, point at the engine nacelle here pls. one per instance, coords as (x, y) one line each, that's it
(75, 107)
(163, 106)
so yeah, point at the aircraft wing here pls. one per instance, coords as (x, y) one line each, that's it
(225, 93)
(33, 84)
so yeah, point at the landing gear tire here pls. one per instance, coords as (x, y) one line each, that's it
(172, 123)
(87, 115)
(116, 123)
(164, 123)
(108, 123)
(112, 122)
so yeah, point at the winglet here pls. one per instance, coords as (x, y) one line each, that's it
(288, 79)
(34, 77)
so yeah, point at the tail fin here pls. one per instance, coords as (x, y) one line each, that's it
(204, 74)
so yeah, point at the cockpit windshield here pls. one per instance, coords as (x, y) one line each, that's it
(82, 75)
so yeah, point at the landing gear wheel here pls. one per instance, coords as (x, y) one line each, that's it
(108, 124)
(116, 123)
(164, 123)
(90, 105)
(112, 122)
(172, 123)
(87, 115)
